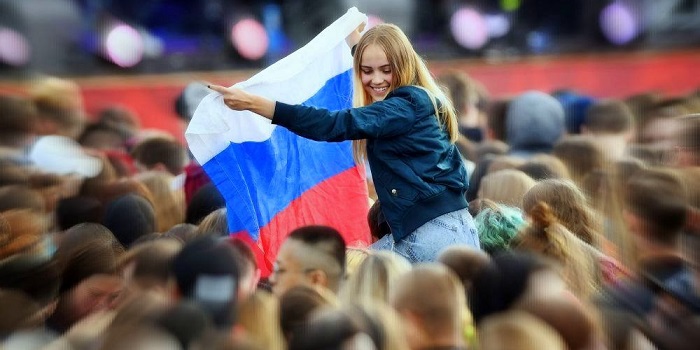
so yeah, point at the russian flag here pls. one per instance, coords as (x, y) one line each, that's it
(273, 180)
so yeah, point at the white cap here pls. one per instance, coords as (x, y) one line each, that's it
(62, 155)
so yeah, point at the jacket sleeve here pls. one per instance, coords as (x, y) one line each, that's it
(391, 117)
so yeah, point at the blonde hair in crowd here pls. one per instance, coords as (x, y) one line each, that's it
(408, 68)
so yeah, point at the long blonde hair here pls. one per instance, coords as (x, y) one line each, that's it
(408, 68)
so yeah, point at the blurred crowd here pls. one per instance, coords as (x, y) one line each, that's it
(587, 209)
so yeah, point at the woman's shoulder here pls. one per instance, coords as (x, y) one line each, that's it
(415, 94)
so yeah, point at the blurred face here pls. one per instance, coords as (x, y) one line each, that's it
(288, 271)
(375, 72)
(96, 293)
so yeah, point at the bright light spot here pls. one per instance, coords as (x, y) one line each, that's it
(124, 46)
(510, 5)
(619, 23)
(497, 25)
(14, 48)
(469, 28)
(249, 37)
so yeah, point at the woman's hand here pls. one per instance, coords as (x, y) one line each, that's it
(353, 38)
(240, 100)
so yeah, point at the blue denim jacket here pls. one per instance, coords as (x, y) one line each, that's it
(418, 174)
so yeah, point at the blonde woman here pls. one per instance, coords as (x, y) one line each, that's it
(374, 278)
(546, 237)
(406, 128)
(259, 315)
(168, 204)
(506, 187)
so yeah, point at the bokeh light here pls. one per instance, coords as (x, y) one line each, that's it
(249, 37)
(619, 23)
(124, 46)
(14, 48)
(469, 28)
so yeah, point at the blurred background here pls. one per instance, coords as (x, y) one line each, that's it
(93, 37)
(135, 52)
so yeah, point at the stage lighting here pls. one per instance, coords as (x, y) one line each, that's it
(497, 25)
(123, 45)
(619, 22)
(14, 48)
(249, 38)
(469, 28)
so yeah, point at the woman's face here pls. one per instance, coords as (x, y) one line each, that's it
(375, 72)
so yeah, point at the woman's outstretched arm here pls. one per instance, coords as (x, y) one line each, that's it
(240, 100)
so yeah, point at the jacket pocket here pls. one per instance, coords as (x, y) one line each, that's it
(396, 188)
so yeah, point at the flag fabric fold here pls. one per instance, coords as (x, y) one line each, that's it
(274, 181)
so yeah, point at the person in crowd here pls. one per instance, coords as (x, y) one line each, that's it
(655, 212)
(534, 123)
(310, 255)
(497, 224)
(87, 256)
(582, 155)
(432, 305)
(469, 98)
(160, 153)
(546, 237)
(506, 187)
(375, 278)
(569, 206)
(545, 166)
(610, 124)
(17, 128)
(60, 107)
(518, 330)
(130, 217)
(207, 273)
(400, 111)
(259, 316)
(298, 303)
(168, 202)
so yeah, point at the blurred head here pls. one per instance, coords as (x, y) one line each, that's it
(259, 315)
(581, 155)
(497, 225)
(687, 152)
(534, 122)
(88, 256)
(465, 262)
(160, 153)
(59, 103)
(430, 300)
(207, 272)
(168, 203)
(215, 224)
(312, 255)
(656, 206)
(296, 305)
(568, 317)
(250, 271)
(130, 217)
(18, 122)
(609, 117)
(546, 237)
(506, 187)
(518, 330)
(375, 278)
(569, 206)
(510, 278)
(545, 166)
(146, 266)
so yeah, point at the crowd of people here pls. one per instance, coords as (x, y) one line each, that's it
(587, 212)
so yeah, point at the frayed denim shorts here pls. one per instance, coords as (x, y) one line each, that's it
(428, 241)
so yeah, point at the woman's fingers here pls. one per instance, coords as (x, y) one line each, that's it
(220, 89)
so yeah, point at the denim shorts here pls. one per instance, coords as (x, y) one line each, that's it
(428, 241)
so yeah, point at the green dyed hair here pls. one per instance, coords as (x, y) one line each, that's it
(497, 226)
